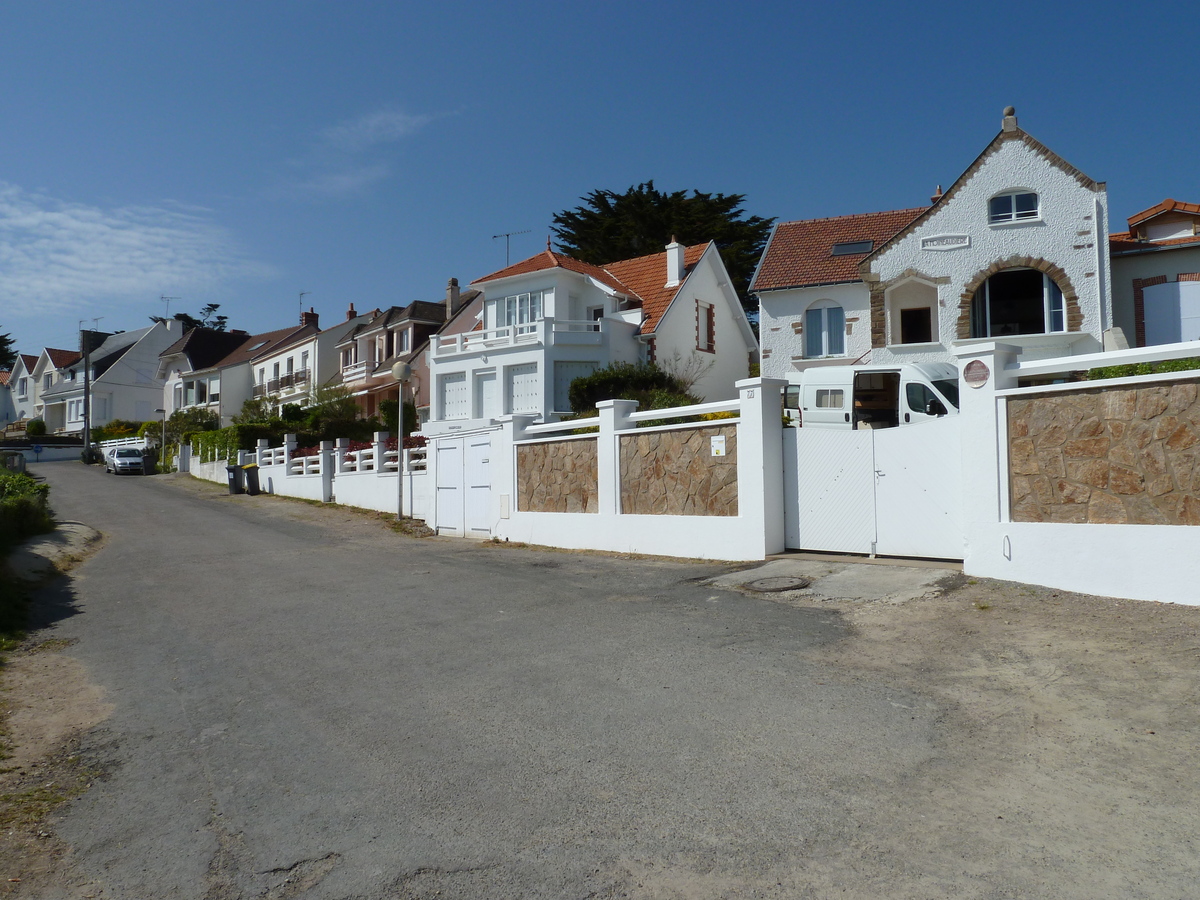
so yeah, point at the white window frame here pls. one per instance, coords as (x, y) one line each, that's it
(1051, 309)
(523, 311)
(823, 307)
(1013, 216)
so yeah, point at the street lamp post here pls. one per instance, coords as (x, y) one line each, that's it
(162, 448)
(402, 372)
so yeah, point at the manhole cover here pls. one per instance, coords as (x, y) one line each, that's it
(777, 584)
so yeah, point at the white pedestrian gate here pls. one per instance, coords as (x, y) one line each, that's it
(464, 487)
(889, 491)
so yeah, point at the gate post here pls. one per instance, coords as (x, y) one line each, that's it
(327, 463)
(760, 462)
(614, 418)
(984, 461)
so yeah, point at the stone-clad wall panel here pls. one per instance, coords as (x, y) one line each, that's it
(1107, 455)
(673, 473)
(559, 476)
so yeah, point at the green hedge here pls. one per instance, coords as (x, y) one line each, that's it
(224, 443)
(1128, 370)
(24, 508)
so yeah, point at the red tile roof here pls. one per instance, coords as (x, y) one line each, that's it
(29, 360)
(548, 259)
(801, 253)
(1166, 206)
(4, 373)
(61, 358)
(1124, 242)
(646, 277)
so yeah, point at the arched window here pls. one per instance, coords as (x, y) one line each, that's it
(824, 330)
(1017, 301)
(1013, 206)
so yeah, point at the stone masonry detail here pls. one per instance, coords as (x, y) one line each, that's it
(673, 473)
(1074, 315)
(558, 476)
(1120, 455)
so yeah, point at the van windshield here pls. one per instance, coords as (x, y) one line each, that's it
(949, 390)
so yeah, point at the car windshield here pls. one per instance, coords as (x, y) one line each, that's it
(949, 390)
(128, 453)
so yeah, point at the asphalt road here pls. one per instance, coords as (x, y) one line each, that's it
(308, 704)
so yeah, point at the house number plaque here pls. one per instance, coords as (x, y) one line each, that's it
(717, 444)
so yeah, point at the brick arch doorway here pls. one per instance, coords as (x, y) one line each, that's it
(1018, 311)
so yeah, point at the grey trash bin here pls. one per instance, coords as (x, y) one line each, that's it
(251, 476)
(237, 479)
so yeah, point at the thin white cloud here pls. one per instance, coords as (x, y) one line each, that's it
(58, 257)
(347, 158)
(383, 127)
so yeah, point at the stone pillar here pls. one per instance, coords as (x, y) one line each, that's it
(185, 457)
(289, 448)
(614, 418)
(504, 459)
(760, 460)
(262, 447)
(342, 448)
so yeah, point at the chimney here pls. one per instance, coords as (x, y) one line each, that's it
(309, 318)
(937, 195)
(350, 313)
(1010, 119)
(452, 295)
(674, 263)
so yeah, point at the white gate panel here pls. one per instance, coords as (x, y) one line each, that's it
(918, 490)
(478, 485)
(524, 390)
(449, 500)
(456, 403)
(835, 487)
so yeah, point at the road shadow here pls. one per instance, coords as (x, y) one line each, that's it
(55, 601)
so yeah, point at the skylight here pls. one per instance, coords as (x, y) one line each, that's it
(848, 248)
(257, 346)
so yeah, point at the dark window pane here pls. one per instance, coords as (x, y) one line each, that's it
(1017, 302)
(916, 326)
(1027, 206)
(1000, 208)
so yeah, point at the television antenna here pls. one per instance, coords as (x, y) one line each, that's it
(167, 300)
(506, 235)
(303, 294)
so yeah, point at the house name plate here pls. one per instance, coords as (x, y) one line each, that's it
(946, 242)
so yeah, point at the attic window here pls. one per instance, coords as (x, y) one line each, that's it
(849, 248)
(257, 346)
(1013, 207)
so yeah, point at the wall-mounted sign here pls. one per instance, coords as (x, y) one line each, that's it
(717, 444)
(976, 373)
(946, 242)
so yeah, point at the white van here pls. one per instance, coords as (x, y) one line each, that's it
(872, 396)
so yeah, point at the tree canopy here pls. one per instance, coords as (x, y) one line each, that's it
(208, 319)
(8, 352)
(642, 220)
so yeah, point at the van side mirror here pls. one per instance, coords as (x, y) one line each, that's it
(935, 407)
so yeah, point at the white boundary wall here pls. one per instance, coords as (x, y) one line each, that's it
(754, 533)
(1141, 562)
(335, 474)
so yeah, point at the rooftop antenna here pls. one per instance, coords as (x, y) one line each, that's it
(303, 294)
(167, 300)
(506, 235)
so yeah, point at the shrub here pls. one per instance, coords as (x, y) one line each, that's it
(24, 507)
(1128, 370)
(36, 428)
(117, 428)
(652, 387)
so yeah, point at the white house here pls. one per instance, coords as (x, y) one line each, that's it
(1016, 248)
(550, 319)
(124, 380)
(22, 388)
(1156, 274)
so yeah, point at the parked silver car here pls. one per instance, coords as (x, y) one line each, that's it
(125, 461)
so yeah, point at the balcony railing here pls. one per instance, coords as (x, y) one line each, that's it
(354, 370)
(546, 331)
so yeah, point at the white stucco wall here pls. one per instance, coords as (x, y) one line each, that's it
(780, 311)
(676, 332)
(1072, 233)
(1125, 269)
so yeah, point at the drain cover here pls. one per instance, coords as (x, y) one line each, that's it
(778, 584)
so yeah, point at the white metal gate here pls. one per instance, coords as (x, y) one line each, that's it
(890, 491)
(464, 486)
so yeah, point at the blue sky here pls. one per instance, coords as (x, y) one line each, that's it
(239, 153)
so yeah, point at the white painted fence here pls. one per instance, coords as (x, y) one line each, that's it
(334, 474)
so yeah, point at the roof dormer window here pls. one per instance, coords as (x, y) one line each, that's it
(850, 248)
(1014, 206)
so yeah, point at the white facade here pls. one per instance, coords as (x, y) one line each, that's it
(542, 329)
(781, 326)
